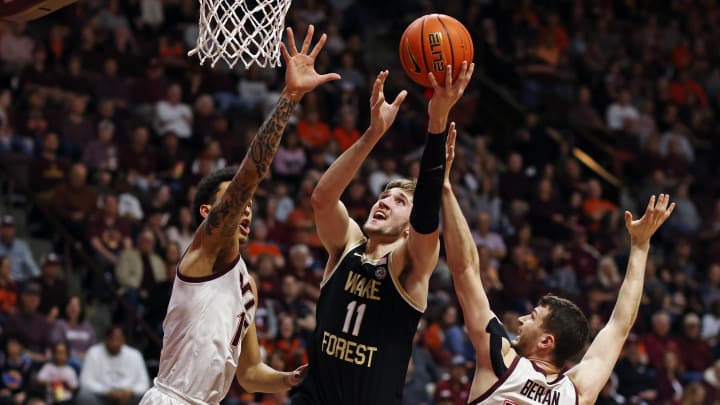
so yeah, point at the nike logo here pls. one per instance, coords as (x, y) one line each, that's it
(412, 59)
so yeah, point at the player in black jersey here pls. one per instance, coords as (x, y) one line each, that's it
(375, 285)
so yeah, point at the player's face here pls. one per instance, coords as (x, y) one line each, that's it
(390, 215)
(531, 332)
(243, 231)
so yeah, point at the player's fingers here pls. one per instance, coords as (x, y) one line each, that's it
(308, 39)
(448, 77)
(284, 52)
(651, 204)
(470, 71)
(375, 90)
(328, 77)
(628, 219)
(319, 46)
(291, 42)
(433, 82)
(399, 99)
(669, 210)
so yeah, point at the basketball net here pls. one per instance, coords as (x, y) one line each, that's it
(247, 31)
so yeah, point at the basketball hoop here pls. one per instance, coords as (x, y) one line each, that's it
(247, 31)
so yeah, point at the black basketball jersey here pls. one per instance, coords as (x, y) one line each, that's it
(363, 340)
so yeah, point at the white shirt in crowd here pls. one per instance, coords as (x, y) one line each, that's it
(617, 115)
(103, 372)
(52, 373)
(176, 118)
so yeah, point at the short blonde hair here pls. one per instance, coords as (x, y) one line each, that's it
(405, 185)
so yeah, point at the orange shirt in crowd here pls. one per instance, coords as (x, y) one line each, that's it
(344, 138)
(314, 135)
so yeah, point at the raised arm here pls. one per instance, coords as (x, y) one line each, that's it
(216, 234)
(334, 226)
(593, 371)
(423, 244)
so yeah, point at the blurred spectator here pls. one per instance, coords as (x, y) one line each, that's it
(288, 343)
(635, 373)
(8, 288)
(48, 169)
(113, 372)
(60, 380)
(29, 324)
(182, 229)
(456, 387)
(385, 174)
(22, 263)
(111, 87)
(102, 153)
(76, 130)
(260, 245)
(492, 241)
(108, 233)
(415, 391)
(669, 380)
(658, 341)
(301, 223)
(139, 160)
(74, 200)
(75, 331)
(16, 48)
(172, 115)
(54, 288)
(695, 352)
(711, 383)
(302, 265)
(582, 114)
(515, 185)
(291, 304)
(15, 369)
(139, 269)
(346, 134)
(621, 115)
(313, 131)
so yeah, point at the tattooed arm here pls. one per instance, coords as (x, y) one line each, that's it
(215, 243)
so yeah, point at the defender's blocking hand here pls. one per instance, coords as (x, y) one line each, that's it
(641, 230)
(300, 74)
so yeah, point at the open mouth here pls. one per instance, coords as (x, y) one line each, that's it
(245, 226)
(379, 215)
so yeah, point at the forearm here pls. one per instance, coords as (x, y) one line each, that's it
(459, 245)
(631, 290)
(253, 168)
(339, 175)
(263, 378)
(425, 214)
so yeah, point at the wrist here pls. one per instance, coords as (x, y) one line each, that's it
(292, 95)
(645, 246)
(437, 126)
(287, 379)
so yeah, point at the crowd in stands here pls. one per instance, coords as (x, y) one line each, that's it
(107, 126)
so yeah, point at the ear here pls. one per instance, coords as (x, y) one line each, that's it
(205, 210)
(547, 342)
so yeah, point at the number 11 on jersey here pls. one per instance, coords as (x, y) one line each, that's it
(358, 320)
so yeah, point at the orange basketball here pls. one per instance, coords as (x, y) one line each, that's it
(432, 42)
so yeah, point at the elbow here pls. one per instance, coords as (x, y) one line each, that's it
(320, 199)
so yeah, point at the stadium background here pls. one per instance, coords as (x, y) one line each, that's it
(578, 110)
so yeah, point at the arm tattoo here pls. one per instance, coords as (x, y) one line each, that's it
(253, 168)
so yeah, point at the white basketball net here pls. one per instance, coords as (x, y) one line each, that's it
(248, 31)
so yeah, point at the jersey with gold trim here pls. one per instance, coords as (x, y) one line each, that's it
(363, 340)
(526, 384)
(206, 321)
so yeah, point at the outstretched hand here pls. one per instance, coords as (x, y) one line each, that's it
(449, 152)
(300, 74)
(444, 97)
(641, 230)
(382, 114)
(294, 378)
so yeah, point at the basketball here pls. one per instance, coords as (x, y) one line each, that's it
(432, 42)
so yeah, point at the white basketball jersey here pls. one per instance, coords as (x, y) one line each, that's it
(526, 384)
(206, 321)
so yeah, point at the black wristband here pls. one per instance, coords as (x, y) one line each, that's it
(425, 214)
